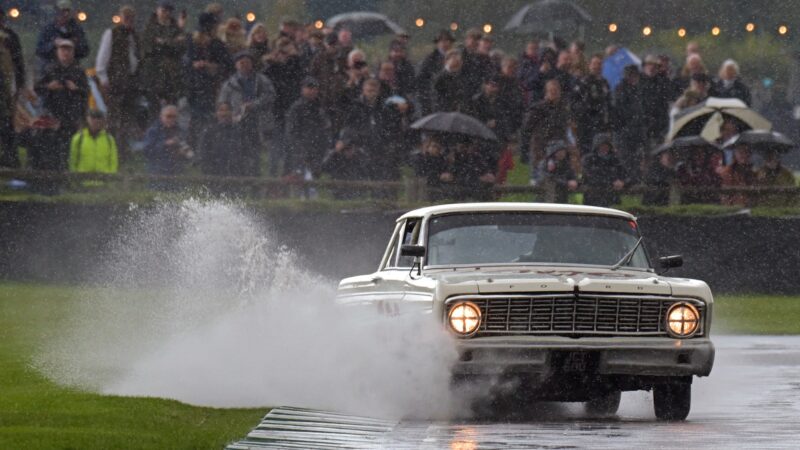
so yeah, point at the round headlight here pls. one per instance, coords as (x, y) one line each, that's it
(464, 318)
(683, 320)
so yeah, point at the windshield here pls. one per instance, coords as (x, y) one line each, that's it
(518, 237)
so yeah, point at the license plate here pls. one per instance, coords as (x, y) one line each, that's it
(576, 362)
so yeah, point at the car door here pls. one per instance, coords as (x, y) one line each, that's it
(382, 290)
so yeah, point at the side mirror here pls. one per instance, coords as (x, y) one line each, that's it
(416, 251)
(670, 262)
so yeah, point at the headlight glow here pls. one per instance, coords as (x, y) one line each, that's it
(464, 318)
(683, 320)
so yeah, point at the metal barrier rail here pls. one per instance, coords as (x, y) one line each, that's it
(411, 189)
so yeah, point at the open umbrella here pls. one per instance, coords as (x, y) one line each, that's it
(548, 16)
(705, 118)
(762, 141)
(454, 123)
(614, 65)
(365, 24)
(682, 146)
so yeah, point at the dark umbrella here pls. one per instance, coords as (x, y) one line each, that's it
(365, 24)
(762, 141)
(548, 16)
(682, 146)
(454, 123)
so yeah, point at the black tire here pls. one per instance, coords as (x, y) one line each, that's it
(603, 405)
(672, 401)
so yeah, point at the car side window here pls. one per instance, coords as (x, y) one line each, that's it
(391, 252)
(409, 235)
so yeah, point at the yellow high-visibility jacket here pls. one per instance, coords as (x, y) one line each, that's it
(93, 154)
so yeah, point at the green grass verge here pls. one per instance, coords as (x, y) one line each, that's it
(756, 314)
(36, 413)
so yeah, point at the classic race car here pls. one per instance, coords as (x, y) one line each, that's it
(563, 299)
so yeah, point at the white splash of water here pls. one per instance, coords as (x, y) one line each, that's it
(203, 305)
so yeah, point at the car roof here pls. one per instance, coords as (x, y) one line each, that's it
(515, 207)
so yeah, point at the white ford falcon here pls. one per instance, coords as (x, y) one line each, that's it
(563, 299)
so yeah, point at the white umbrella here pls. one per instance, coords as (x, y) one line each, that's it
(706, 118)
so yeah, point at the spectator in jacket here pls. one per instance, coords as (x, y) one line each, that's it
(659, 179)
(477, 66)
(403, 69)
(284, 67)
(252, 97)
(579, 66)
(546, 71)
(548, 120)
(473, 173)
(165, 146)
(117, 68)
(591, 105)
(258, 44)
(63, 27)
(163, 46)
(346, 161)
(528, 68)
(773, 174)
(603, 173)
(379, 128)
(631, 122)
(430, 68)
(64, 90)
(233, 36)
(221, 149)
(738, 174)
(12, 80)
(696, 93)
(557, 175)
(450, 86)
(308, 131)
(657, 93)
(699, 171)
(435, 165)
(93, 149)
(206, 64)
(331, 74)
(729, 85)
(694, 66)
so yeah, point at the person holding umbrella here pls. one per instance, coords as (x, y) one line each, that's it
(698, 171)
(740, 173)
(773, 174)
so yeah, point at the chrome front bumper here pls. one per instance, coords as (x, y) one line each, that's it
(542, 355)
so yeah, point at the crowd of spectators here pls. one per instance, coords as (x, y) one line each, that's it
(220, 94)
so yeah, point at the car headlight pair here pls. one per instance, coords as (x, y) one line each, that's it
(464, 318)
(683, 320)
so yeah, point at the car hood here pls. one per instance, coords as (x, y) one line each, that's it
(552, 279)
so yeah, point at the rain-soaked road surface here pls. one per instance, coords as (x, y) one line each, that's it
(751, 400)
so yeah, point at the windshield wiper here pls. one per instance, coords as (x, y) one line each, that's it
(627, 258)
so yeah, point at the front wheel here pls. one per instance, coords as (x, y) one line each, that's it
(604, 405)
(672, 401)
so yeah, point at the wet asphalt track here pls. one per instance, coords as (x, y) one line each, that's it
(751, 400)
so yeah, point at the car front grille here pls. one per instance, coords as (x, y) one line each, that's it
(575, 314)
